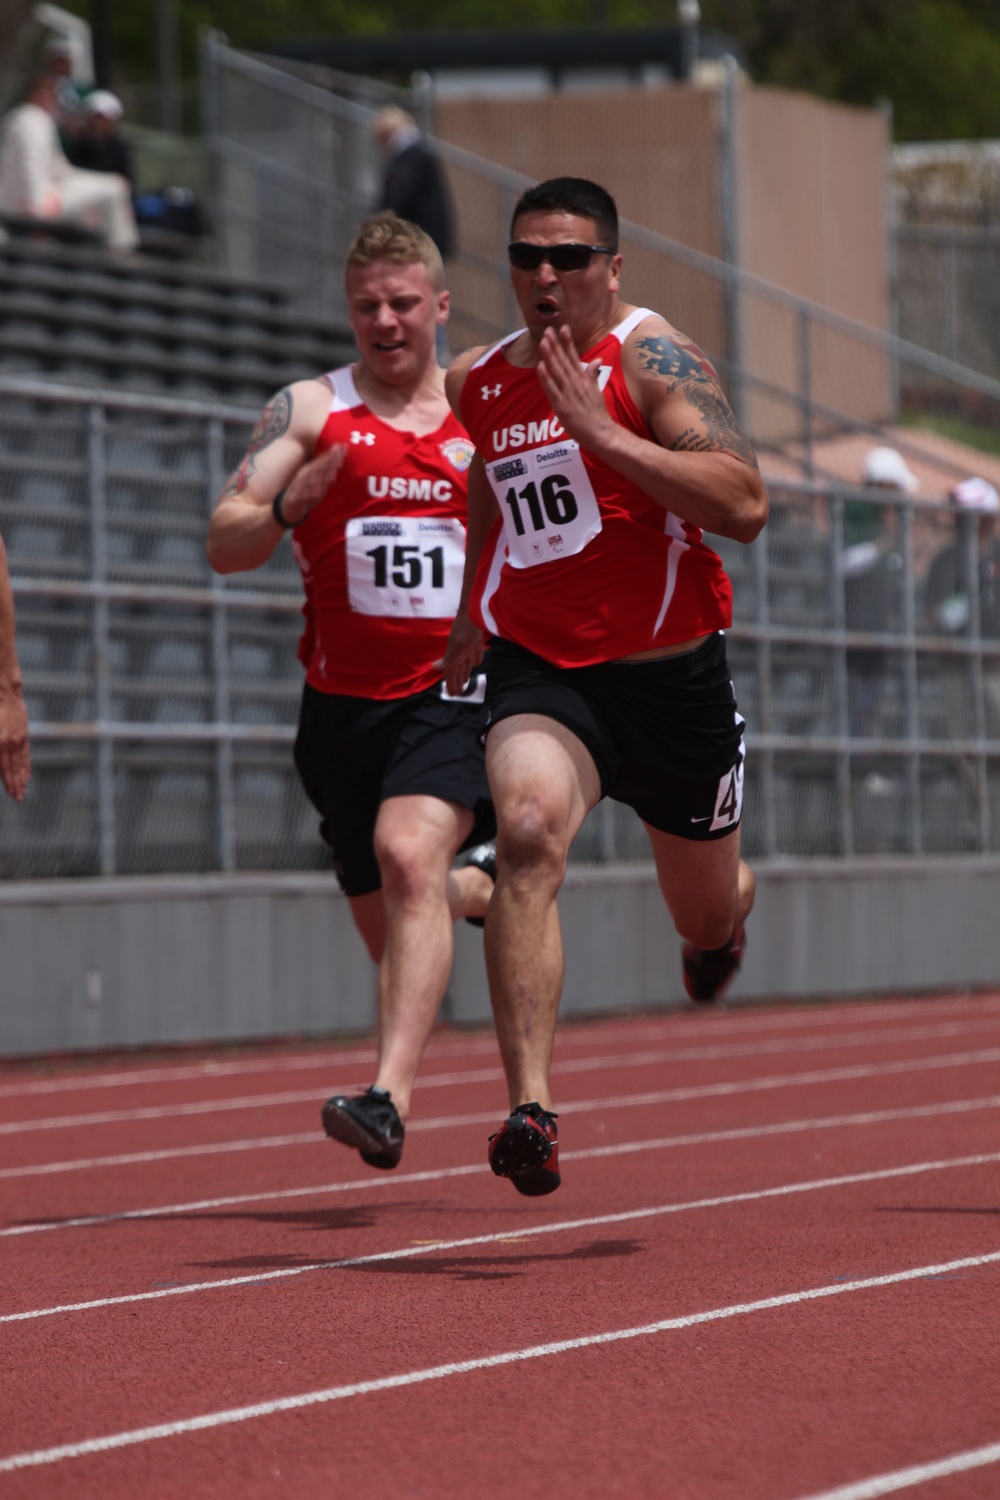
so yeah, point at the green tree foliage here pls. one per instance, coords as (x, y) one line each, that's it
(937, 61)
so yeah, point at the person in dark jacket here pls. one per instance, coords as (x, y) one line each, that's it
(413, 184)
(100, 147)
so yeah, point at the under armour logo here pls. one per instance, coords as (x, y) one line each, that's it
(490, 390)
(363, 437)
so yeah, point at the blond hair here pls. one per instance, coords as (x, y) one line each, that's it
(385, 236)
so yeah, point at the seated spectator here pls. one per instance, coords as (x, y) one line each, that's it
(871, 566)
(100, 147)
(969, 567)
(37, 181)
(949, 581)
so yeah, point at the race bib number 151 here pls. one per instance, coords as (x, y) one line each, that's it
(547, 502)
(405, 566)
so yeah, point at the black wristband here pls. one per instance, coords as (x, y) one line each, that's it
(276, 512)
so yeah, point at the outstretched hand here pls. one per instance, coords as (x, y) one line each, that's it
(465, 650)
(311, 483)
(572, 388)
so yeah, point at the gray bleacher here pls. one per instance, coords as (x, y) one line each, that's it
(75, 314)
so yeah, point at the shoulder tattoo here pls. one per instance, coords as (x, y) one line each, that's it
(675, 360)
(272, 424)
(682, 364)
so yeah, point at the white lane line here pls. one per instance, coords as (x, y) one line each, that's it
(904, 1479)
(629, 1216)
(570, 1033)
(443, 1122)
(695, 1091)
(623, 1148)
(486, 1362)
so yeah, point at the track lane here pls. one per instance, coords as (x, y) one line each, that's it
(723, 1373)
(465, 1294)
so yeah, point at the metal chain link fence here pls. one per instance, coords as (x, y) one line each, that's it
(948, 291)
(163, 699)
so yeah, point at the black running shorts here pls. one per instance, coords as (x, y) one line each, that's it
(665, 735)
(353, 753)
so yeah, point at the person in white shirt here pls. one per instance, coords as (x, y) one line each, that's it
(38, 182)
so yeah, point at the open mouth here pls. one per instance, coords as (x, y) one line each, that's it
(547, 309)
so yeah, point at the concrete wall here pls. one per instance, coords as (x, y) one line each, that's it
(116, 963)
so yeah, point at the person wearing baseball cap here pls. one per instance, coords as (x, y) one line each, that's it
(872, 569)
(100, 146)
(950, 595)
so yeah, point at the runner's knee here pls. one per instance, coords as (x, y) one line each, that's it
(410, 868)
(531, 838)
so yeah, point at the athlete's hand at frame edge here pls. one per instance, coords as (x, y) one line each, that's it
(465, 650)
(15, 752)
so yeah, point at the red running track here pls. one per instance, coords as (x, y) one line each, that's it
(772, 1271)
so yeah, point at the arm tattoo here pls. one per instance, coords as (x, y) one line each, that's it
(683, 364)
(721, 429)
(272, 424)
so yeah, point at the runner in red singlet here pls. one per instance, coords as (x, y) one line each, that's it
(368, 468)
(605, 448)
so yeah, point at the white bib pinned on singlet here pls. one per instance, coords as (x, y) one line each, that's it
(405, 566)
(547, 502)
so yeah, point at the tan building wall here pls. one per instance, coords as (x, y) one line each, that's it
(811, 217)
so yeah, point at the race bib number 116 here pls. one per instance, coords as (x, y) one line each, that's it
(547, 502)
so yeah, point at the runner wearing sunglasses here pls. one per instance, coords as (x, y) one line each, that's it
(605, 447)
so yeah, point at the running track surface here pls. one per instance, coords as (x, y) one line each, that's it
(772, 1271)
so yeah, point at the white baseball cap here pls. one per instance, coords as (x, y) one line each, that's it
(976, 494)
(104, 102)
(886, 466)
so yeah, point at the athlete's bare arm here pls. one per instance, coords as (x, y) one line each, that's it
(698, 463)
(466, 644)
(243, 532)
(455, 375)
(15, 756)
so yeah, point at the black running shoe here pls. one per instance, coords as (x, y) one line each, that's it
(707, 971)
(484, 857)
(370, 1123)
(526, 1149)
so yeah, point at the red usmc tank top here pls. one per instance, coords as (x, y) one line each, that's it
(383, 553)
(582, 566)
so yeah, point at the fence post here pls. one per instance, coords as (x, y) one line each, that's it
(208, 108)
(805, 390)
(840, 684)
(910, 684)
(225, 807)
(765, 697)
(970, 547)
(97, 485)
(730, 221)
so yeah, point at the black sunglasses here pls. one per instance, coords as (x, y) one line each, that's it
(560, 257)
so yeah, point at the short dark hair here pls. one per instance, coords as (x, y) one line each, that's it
(572, 195)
